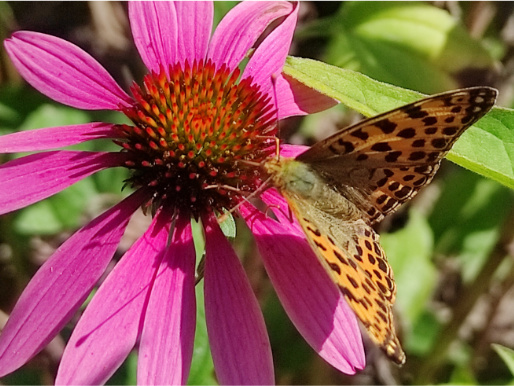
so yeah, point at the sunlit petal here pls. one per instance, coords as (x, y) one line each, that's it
(239, 342)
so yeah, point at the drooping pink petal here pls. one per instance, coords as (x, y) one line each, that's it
(295, 98)
(62, 284)
(194, 25)
(280, 209)
(166, 347)
(37, 176)
(55, 137)
(310, 298)
(237, 334)
(64, 72)
(111, 323)
(269, 58)
(240, 29)
(155, 30)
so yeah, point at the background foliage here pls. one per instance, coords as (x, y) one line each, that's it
(451, 248)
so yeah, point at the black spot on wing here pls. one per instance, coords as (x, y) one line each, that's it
(386, 126)
(416, 112)
(407, 133)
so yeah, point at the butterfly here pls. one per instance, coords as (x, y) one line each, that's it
(341, 186)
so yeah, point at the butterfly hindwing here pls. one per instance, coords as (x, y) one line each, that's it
(381, 162)
(351, 254)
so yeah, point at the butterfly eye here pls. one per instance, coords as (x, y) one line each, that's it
(301, 186)
(301, 180)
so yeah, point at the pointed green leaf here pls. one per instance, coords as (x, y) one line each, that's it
(228, 225)
(487, 148)
(506, 354)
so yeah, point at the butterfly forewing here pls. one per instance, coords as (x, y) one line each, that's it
(381, 162)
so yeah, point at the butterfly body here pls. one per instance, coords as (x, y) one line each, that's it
(301, 183)
(341, 186)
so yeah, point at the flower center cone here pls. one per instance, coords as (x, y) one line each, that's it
(198, 137)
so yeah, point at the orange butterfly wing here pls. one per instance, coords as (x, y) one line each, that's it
(351, 254)
(381, 162)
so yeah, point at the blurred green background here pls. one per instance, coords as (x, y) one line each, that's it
(451, 248)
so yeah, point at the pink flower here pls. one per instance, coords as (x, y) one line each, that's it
(200, 129)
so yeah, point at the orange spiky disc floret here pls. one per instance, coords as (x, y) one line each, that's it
(192, 133)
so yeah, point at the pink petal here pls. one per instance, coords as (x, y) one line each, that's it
(62, 284)
(280, 209)
(240, 29)
(194, 25)
(310, 298)
(295, 98)
(155, 30)
(166, 347)
(54, 137)
(37, 176)
(239, 342)
(171, 32)
(109, 327)
(64, 72)
(292, 151)
(269, 58)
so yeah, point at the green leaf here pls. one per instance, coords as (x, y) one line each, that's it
(49, 115)
(202, 367)
(24, 376)
(397, 41)
(506, 354)
(228, 226)
(12, 112)
(112, 180)
(353, 89)
(463, 373)
(422, 335)
(57, 213)
(198, 238)
(126, 374)
(289, 348)
(131, 363)
(467, 218)
(410, 250)
(487, 148)
(221, 8)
